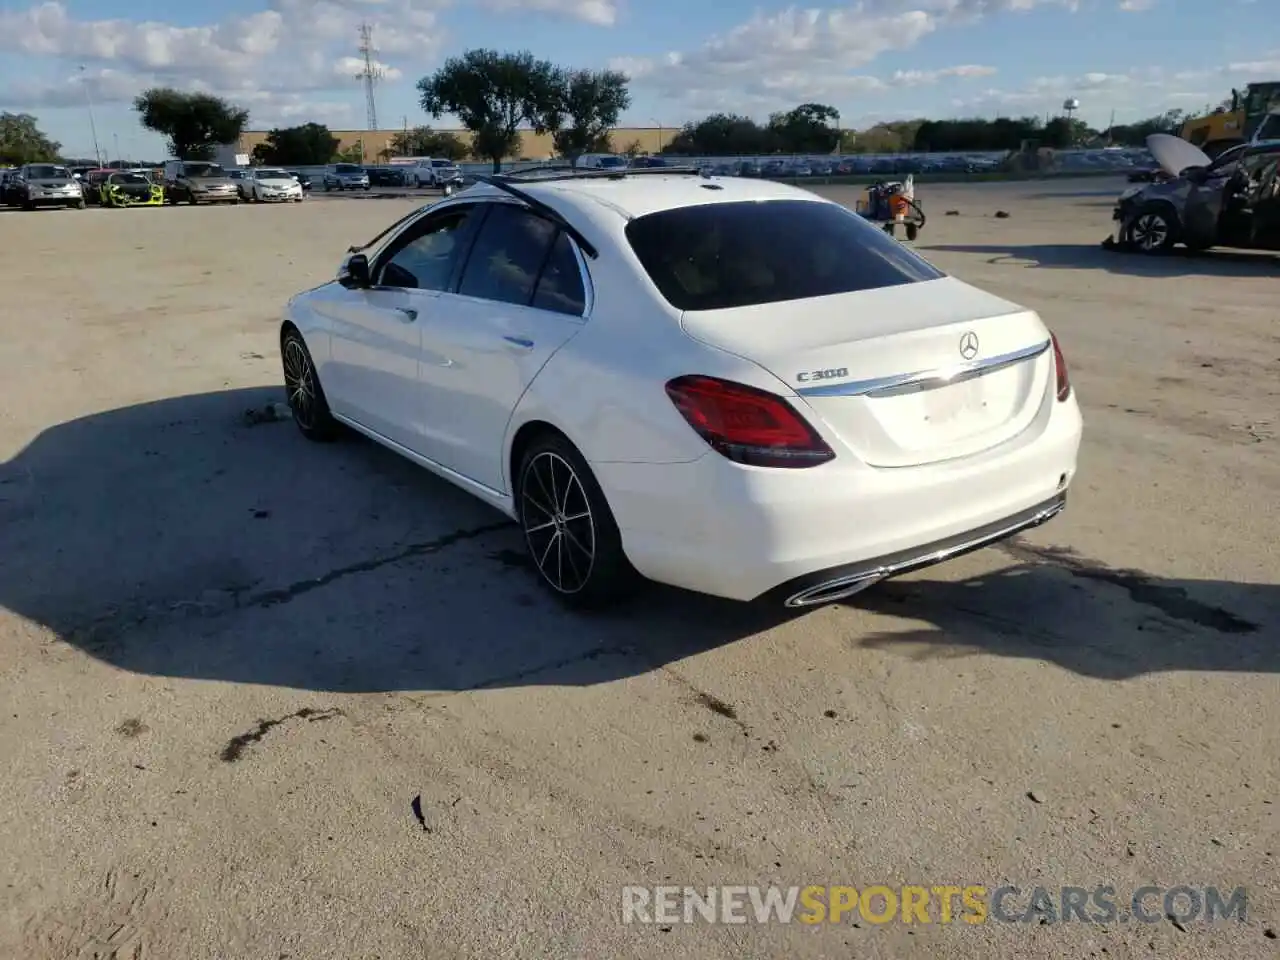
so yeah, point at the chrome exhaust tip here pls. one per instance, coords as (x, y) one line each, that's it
(830, 591)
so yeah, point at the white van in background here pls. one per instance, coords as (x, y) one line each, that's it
(433, 172)
(601, 161)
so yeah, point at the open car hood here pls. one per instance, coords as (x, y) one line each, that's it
(1175, 154)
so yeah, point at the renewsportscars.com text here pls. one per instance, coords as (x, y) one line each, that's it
(910, 904)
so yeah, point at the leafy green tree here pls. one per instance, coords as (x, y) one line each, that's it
(1135, 134)
(425, 142)
(194, 124)
(352, 154)
(306, 146)
(809, 128)
(492, 94)
(590, 103)
(721, 134)
(22, 142)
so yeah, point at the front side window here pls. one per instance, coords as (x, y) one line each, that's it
(719, 256)
(508, 255)
(425, 258)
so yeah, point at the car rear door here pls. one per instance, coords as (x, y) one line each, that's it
(522, 294)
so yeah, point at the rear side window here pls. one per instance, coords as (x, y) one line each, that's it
(560, 286)
(723, 255)
(508, 255)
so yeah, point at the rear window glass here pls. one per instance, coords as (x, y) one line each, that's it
(723, 255)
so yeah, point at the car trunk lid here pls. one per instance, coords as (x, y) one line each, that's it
(903, 375)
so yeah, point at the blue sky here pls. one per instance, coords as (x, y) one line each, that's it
(291, 61)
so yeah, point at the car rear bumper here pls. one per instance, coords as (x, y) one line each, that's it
(755, 533)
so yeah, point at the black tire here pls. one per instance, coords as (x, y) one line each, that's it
(1153, 229)
(913, 231)
(302, 389)
(191, 198)
(79, 205)
(573, 542)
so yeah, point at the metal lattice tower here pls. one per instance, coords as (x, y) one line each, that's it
(369, 74)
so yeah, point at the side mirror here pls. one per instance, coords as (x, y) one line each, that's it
(355, 272)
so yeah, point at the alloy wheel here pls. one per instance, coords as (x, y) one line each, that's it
(300, 383)
(1150, 232)
(558, 526)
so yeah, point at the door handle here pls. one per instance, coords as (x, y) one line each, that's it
(521, 342)
(410, 314)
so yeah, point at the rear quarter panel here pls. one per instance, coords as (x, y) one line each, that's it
(605, 389)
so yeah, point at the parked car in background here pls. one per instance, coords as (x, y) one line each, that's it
(643, 163)
(130, 188)
(304, 181)
(601, 161)
(272, 185)
(241, 181)
(91, 181)
(434, 172)
(345, 176)
(389, 176)
(43, 185)
(198, 181)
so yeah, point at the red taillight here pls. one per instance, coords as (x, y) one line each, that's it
(1060, 365)
(747, 425)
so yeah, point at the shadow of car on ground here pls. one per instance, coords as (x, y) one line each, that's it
(187, 538)
(1074, 256)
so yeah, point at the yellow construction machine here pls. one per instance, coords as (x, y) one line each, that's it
(1225, 128)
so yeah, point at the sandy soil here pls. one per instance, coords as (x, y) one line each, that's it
(231, 660)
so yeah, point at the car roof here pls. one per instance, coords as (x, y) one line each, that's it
(638, 195)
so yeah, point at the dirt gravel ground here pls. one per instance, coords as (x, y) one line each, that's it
(230, 661)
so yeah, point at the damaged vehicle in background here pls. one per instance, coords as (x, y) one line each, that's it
(129, 189)
(1233, 201)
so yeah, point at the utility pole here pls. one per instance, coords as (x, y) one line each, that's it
(370, 74)
(93, 127)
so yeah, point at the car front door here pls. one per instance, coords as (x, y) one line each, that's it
(376, 346)
(1244, 216)
(1266, 207)
(521, 295)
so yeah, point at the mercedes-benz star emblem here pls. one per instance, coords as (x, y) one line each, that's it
(969, 345)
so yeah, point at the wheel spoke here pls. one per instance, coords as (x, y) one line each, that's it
(542, 563)
(539, 506)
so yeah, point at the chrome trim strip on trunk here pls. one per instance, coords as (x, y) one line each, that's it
(845, 586)
(923, 379)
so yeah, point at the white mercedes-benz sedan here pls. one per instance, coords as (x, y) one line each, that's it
(729, 385)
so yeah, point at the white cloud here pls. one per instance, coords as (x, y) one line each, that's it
(1136, 6)
(272, 61)
(602, 13)
(776, 60)
(1132, 93)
